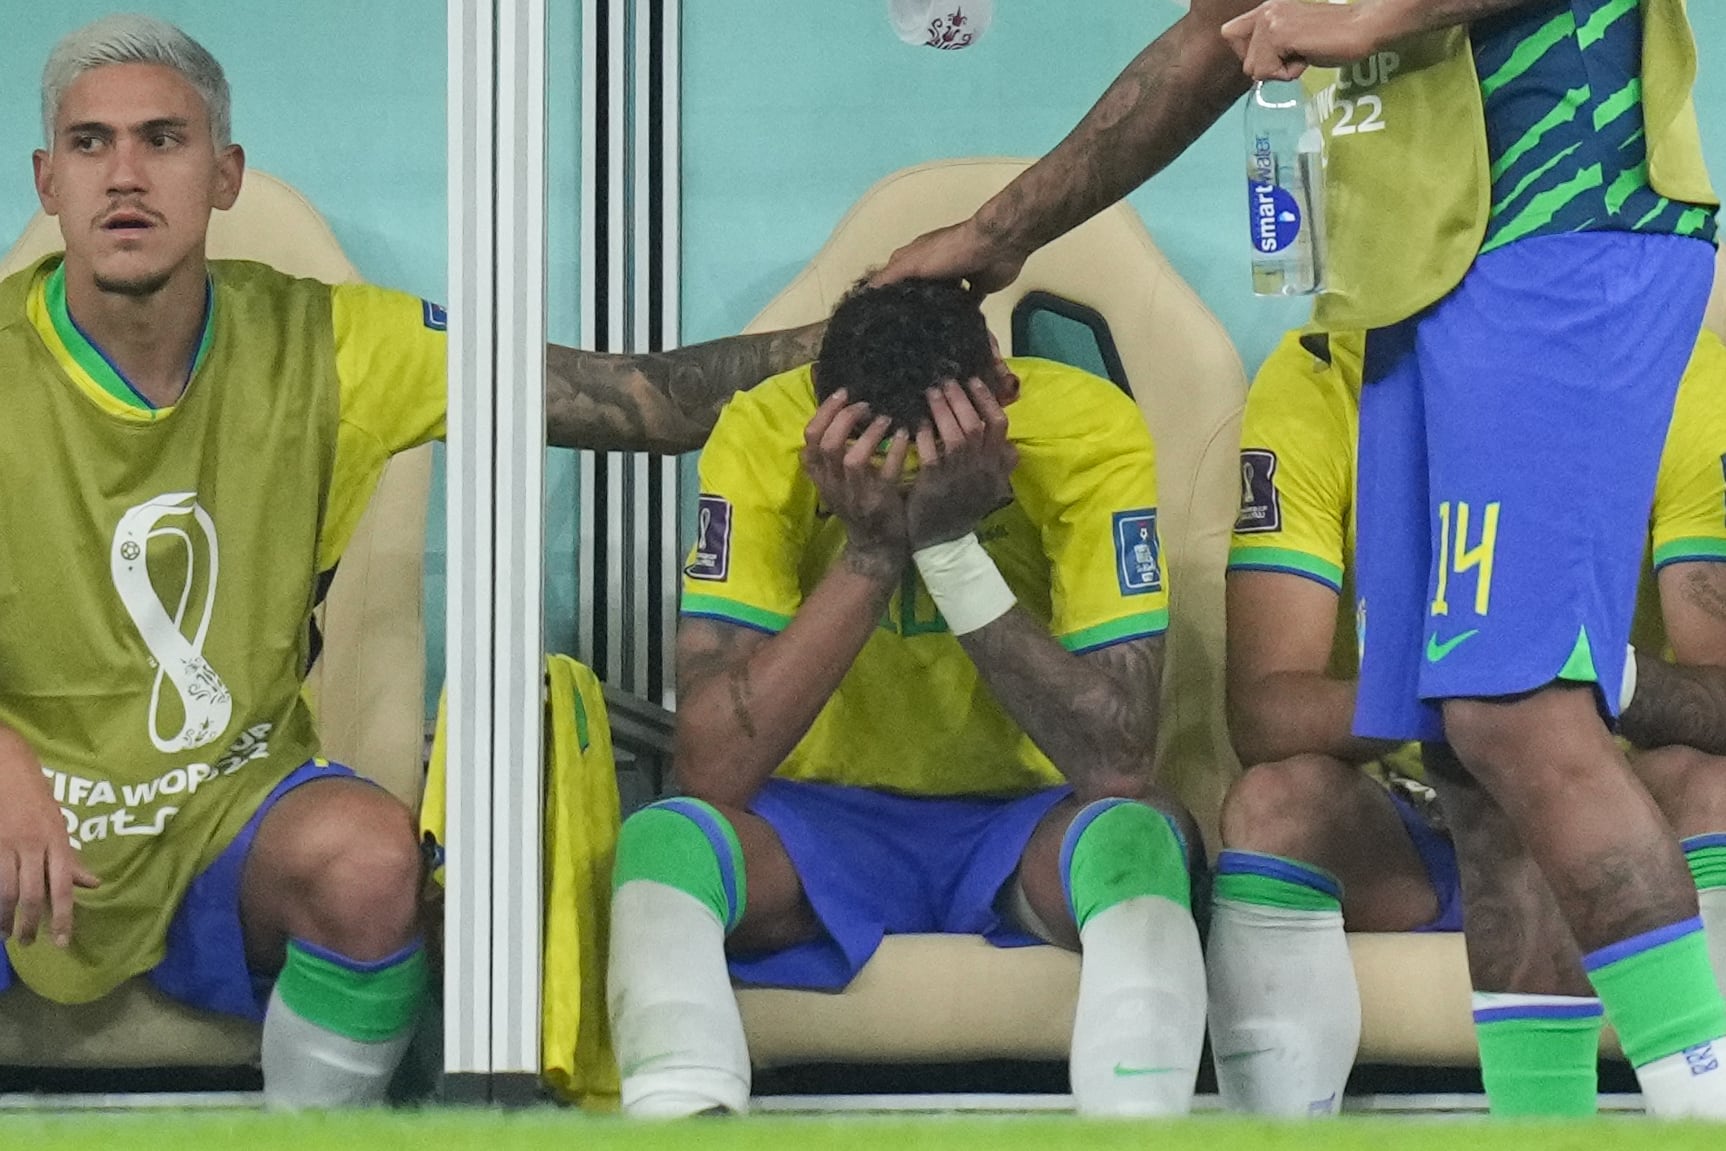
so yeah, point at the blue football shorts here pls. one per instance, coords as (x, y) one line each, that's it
(1510, 437)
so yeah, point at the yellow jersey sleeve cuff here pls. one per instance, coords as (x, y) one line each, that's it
(1144, 625)
(1289, 562)
(730, 611)
(1690, 549)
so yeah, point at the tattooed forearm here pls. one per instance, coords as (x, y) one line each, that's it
(1164, 100)
(1676, 704)
(661, 401)
(1094, 715)
(737, 682)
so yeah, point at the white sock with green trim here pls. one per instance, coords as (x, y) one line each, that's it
(1706, 855)
(674, 1018)
(1140, 1024)
(679, 888)
(1285, 1008)
(336, 1029)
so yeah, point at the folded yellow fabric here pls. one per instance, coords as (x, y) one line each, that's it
(581, 821)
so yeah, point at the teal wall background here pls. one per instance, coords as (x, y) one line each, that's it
(789, 119)
(788, 115)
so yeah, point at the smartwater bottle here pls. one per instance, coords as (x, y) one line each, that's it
(1285, 189)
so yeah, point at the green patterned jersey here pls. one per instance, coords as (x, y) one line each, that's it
(1564, 121)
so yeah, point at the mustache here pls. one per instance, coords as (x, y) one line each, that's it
(128, 206)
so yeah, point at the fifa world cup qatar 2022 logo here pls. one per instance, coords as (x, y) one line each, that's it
(183, 537)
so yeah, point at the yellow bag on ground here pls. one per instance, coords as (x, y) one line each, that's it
(581, 821)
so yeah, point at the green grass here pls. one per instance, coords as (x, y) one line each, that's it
(445, 1130)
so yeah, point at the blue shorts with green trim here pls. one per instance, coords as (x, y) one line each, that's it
(205, 965)
(873, 863)
(1510, 437)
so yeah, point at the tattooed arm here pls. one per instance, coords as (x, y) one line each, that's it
(1684, 703)
(661, 401)
(1093, 715)
(1164, 100)
(744, 698)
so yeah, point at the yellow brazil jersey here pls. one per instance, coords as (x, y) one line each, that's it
(392, 364)
(1078, 545)
(1298, 476)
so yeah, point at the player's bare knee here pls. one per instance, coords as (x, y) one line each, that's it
(352, 877)
(1688, 785)
(1284, 808)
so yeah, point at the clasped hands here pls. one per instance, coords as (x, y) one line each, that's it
(964, 470)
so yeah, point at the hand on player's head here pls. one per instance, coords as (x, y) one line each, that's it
(959, 251)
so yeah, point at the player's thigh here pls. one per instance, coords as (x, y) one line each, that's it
(1329, 814)
(776, 914)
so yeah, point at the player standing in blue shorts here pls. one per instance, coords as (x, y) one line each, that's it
(1518, 213)
(189, 447)
(1328, 831)
(915, 697)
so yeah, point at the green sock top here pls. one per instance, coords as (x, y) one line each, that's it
(1540, 1066)
(1272, 881)
(1706, 855)
(1659, 991)
(367, 1002)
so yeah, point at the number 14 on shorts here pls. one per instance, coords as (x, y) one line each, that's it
(1458, 557)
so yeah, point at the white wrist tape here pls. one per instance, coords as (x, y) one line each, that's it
(965, 584)
(1627, 687)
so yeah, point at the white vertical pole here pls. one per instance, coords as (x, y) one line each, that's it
(644, 598)
(519, 655)
(617, 288)
(671, 331)
(467, 968)
(496, 555)
(587, 625)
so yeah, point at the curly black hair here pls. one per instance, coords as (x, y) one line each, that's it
(885, 346)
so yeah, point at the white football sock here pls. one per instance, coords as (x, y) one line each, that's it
(674, 1018)
(311, 1067)
(1141, 1017)
(1688, 1085)
(1285, 1008)
(1713, 904)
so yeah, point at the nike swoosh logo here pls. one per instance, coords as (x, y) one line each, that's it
(1125, 1072)
(1436, 651)
(1235, 1056)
